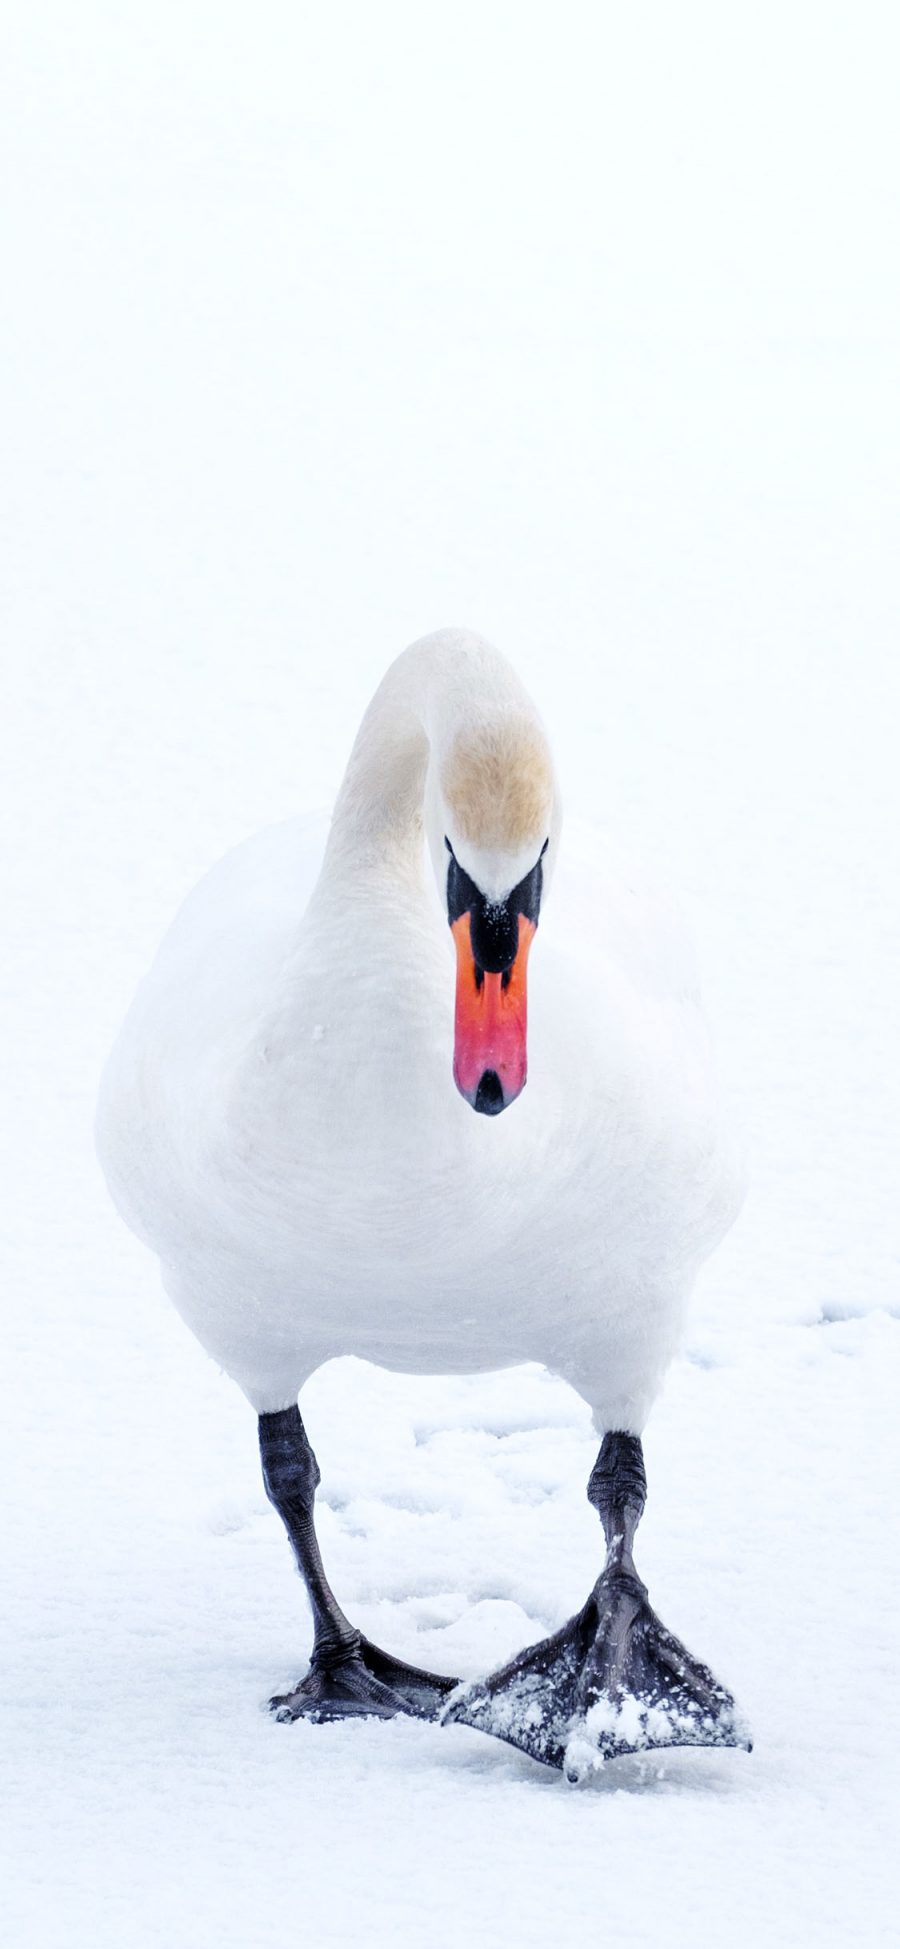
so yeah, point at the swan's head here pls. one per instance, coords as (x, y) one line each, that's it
(491, 822)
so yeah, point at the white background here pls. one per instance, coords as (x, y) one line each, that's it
(322, 328)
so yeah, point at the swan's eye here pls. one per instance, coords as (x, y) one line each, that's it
(462, 893)
(526, 897)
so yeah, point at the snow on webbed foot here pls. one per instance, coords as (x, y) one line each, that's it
(612, 1681)
(363, 1683)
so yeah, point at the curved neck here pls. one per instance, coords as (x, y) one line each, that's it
(436, 688)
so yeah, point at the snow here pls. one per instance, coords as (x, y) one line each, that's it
(324, 332)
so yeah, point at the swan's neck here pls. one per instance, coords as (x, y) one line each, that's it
(432, 700)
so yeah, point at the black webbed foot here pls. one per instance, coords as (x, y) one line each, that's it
(348, 1678)
(611, 1681)
(361, 1681)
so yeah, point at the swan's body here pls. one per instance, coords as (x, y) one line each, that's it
(279, 1123)
(278, 1120)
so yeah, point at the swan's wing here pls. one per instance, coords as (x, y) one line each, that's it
(211, 981)
(231, 935)
(610, 914)
(631, 1039)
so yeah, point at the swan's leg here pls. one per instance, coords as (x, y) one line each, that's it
(613, 1680)
(348, 1677)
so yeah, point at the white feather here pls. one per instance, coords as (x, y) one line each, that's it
(278, 1118)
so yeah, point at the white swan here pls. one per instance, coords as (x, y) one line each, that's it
(279, 1121)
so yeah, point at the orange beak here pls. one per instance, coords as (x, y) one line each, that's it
(490, 1061)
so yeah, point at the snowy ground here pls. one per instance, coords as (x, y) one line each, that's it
(324, 333)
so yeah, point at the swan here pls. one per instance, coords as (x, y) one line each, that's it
(334, 1145)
